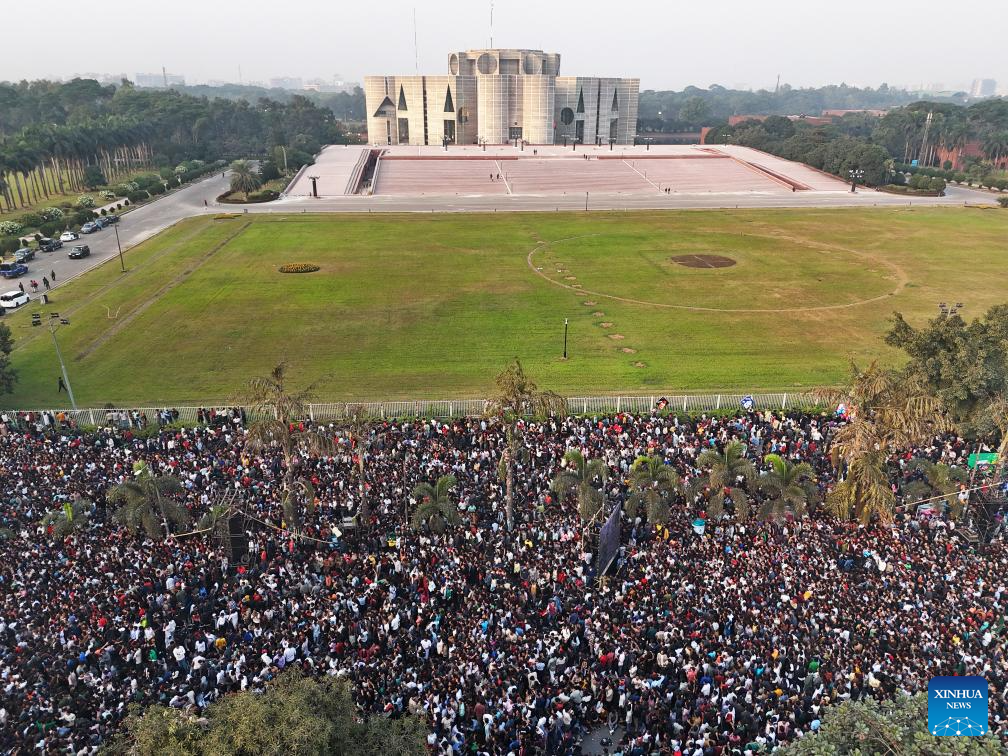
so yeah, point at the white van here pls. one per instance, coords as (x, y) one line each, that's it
(11, 300)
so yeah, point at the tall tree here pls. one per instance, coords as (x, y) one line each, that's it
(517, 398)
(279, 423)
(144, 502)
(434, 507)
(727, 471)
(653, 484)
(71, 517)
(940, 481)
(963, 364)
(8, 375)
(886, 410)
(357, 421)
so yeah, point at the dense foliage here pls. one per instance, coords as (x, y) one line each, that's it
(867, 726)
(294, 715)
(62, 137)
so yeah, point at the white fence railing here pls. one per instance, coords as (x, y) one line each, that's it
(445, 408)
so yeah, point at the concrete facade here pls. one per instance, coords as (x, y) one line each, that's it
(498, 96)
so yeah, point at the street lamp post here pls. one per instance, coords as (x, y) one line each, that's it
(54, 322)
(121, 263)
(314, 186)
(565, 338)
(856, 174)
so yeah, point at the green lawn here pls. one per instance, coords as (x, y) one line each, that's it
(431, 306)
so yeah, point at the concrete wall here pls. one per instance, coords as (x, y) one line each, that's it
(494, 91)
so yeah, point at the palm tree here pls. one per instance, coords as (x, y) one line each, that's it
(886, 411)
(517, 397)
(357, 422)
(652, 483)
(280, 413)
(70, 518)
(725, 469)
(243, 178)
(143, 503)
(435, 510)
(788, 488)
(579, 477)
(939, 480)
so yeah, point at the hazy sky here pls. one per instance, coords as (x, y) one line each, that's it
(666, 44)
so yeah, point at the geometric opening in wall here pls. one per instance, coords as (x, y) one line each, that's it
(566, 116)
(486, 64)
(580, 108)
(402, 98)
(453, 64)
(449, 106)
(386, 109)
(615, 102)
(532, 64)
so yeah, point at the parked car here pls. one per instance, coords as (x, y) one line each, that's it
(90, 227)
(24, 255)
(112, 218)
(49, 245)
(13, 270)
(80, 251)
(11, 300)
(102, 222)
(69, 236)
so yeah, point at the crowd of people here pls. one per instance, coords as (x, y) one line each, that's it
(506, 640)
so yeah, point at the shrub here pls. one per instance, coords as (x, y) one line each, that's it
(264, 195)
(138, 196)
(104, 211)
(936, 185)
(10, 228)
(105, 194)
(156, 189)
(959, 177)
(1003, 201)
(947, 165)
(31, 220)
(119, 205)
(51, 228)
(93, 177)
(51, 214)
(80, 217)
(299, 268)
(125, 202)
(85, 200)
(9, 244)
(125, 189)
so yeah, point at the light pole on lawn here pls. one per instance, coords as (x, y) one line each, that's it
(565, 338)
(122, 265)
(54, 323)
(856, 174)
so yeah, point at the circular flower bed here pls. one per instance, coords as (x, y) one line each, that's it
(299, 268)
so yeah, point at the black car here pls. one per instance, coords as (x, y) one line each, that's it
(112, 218)
(49, 245)
(80, 251)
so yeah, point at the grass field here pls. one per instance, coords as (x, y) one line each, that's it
(433, 306)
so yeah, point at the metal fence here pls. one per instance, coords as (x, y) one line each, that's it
(447, 408)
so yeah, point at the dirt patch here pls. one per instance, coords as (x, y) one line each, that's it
(570, 278)
(607, 324)
(598, 313)
(617, 336)
(628, 350)
(589, 303)
(640, 364)
(702, 261)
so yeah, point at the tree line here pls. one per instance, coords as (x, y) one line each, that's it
(52, 133)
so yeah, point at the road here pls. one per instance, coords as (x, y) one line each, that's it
(134, 227)
(601, 201)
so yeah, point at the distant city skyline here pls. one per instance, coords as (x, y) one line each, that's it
(666, 45)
